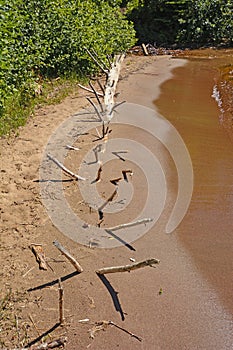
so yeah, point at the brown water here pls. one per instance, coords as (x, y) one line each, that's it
(207, 230)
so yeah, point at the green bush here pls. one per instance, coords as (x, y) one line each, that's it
(47, 38)
(182, 22)
(207, 22)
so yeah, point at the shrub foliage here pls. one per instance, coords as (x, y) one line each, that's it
(44, 38)
(182, 22)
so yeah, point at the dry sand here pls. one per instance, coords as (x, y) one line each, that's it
(170, 307)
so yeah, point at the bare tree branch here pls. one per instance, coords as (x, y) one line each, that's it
(67, 171)
(127, 268)
(71, 259)
(90, 90)
(130, 224)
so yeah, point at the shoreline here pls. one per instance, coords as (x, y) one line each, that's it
(176, 319)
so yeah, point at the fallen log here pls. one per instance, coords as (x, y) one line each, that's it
(111, 84)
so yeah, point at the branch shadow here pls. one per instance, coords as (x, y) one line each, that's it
(42, 335)
(52, 283)
(65, 180)
(127, 245)
(113, 294)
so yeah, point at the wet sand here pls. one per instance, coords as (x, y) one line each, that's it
(195, 310)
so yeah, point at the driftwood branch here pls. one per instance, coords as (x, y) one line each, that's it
(125, 172)
(125, 330)
(101, 61)
(102, 325)
(144, 48)
(130, 224)
(110, 90)
(127, 268)
(72, 148)
(71, 259)
(66, 171)
(40, 256)
(90, 90)
(97, 61)
(51, 345)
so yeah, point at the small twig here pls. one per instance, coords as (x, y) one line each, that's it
(68, 256)
(67, 171)
(90, 90)
(97, 131)
(145, 50)
(27, 272)
(102, 325)
(96, 61)
(115, 181)
(100, 222)
(52, 344)
(72, 148)
(34, 325)
(61, 302)
(40, 256)
(125, 330)
(101, 61)
(130, 224)
(125, 172)
(128, 268)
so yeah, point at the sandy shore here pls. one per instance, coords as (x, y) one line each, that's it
(170, 307)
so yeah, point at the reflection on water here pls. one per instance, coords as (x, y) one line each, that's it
(207, 230)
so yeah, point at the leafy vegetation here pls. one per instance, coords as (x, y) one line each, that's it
(182, 22)
(44, 38)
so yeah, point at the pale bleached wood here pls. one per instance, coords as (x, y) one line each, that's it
(96, 60)
(110, 89)
(66, 171)
(72, 148)
(71, 259)
(130, 224)
(145, 50)
(40, 256)
(49, 345)
(128, 268)
(90, 90)
(102, 325)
